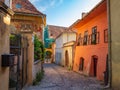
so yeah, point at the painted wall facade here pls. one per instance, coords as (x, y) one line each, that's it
(28, 22)
(4, 49)
(58, 50)
(90, 59)
(63, 38)
(68, 54)
(4, 45)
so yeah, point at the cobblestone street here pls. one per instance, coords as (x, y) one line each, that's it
(59, 78)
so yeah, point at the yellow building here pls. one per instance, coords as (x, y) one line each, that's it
(28, 22)
(27, 18)
(5, 15)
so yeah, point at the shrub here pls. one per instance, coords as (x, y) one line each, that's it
(38, 49)
(38, 78)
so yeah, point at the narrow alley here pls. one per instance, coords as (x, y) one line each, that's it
(59, 78)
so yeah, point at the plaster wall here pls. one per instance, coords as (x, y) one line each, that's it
(87, 51)
(70, 55)
(115, 42)
(4, 49)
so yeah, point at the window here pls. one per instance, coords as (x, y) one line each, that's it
(106, 36)
(85, 38)
(79, 39)
(81, 64)
(94, 35)
(18, 5)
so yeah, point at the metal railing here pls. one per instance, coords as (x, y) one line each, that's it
(91, 39)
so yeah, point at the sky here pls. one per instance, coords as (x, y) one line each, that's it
(63, 12)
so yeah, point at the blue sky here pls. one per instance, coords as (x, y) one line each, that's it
(64, 12)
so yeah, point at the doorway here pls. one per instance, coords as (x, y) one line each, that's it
(94, 66)
(81, 64)
(66, 58)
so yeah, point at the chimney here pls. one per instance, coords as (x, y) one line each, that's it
(84, 14)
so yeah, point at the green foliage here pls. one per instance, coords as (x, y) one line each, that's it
(69, 67)
(38, 78)
(48, 54)
(38, 49)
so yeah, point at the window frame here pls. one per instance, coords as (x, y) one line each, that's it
(85, 40)
(106, 36)
(79, 40)
(94, 34)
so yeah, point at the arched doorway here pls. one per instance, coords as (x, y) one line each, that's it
(48, 55)
(81, 64)
(94, 62)
(66, 58)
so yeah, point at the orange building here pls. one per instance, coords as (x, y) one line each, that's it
(92, 47)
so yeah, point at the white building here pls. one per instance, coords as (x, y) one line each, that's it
(61, 41)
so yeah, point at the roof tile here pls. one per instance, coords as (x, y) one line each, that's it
(56, 30)
(26, 7)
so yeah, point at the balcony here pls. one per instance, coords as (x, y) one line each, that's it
(91, 39)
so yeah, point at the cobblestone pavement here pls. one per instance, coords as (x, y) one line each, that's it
(59, 78)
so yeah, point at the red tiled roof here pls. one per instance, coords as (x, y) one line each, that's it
(26, 7)
(56, 30)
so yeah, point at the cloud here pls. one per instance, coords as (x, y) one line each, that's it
(43, 5)
(52, 2)
(60, 1)
(42, 8)
(34, 1)
(91, 5)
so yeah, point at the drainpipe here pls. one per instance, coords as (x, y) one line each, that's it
(109, 44)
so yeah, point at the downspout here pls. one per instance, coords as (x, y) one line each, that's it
(109, 44)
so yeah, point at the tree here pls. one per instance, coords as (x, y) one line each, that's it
(47, 41)
(38, 49)
(46, 36)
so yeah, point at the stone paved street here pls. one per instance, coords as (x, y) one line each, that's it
(59, 78)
